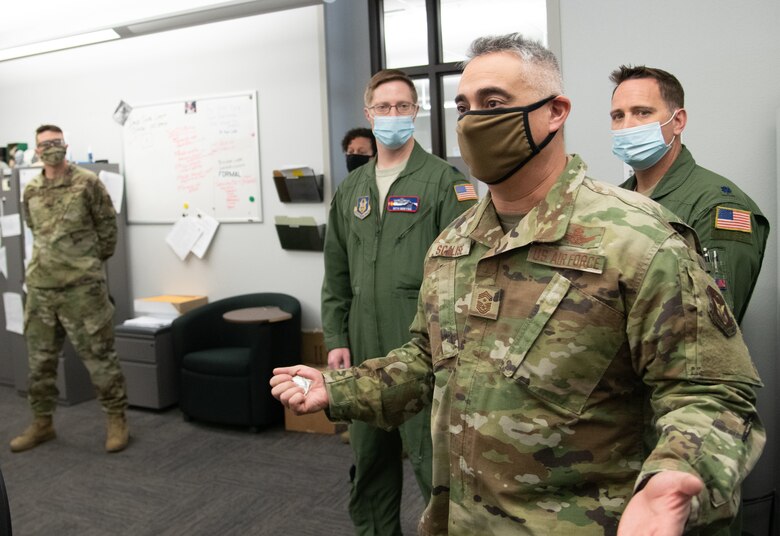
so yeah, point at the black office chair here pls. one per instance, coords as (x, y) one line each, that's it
(224, 371)
(5, 510)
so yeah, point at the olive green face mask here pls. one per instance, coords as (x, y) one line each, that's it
(496, 143)
(53, 156)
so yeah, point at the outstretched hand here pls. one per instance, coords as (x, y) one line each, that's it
(292, 395)
(662, 507)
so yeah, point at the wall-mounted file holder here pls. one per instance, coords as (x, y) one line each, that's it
(299, 185)
(300, 233)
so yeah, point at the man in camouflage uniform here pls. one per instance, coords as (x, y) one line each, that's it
(73, 223)
(586, 375)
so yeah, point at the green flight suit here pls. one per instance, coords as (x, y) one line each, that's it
(373, 273)
(694, 195)
(566, 361)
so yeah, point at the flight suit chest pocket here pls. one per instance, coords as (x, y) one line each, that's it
(561, 353)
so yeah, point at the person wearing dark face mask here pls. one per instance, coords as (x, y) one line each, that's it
(648, 118)
(74, 228)
(584, 373)
(382, 220)
(359, 146)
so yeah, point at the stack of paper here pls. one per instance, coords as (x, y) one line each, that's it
(293, 172)
(149, 322)
(167, 305)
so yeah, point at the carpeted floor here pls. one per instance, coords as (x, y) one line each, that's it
(177, 478)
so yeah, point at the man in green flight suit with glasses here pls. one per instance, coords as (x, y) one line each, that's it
(383, 218)
(647, 110)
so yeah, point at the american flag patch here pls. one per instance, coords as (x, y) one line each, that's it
(465, 192)
(733, 219)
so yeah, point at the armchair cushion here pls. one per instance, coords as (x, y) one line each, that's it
(219, 361)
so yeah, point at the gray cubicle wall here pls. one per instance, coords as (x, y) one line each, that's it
(11, 344)
(72, 377)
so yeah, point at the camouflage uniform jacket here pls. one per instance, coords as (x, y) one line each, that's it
(566, 361)
(74, 229)
(696, 196)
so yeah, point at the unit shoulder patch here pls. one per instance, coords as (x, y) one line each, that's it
(720, 314)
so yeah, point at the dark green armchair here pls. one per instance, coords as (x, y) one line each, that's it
(225, 367)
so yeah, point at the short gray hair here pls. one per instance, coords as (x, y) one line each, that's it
(541, 65)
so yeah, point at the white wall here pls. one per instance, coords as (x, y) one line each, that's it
(278, 54)
(726, 55)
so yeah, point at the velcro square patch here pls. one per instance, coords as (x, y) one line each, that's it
(733, 219)
(465, 192)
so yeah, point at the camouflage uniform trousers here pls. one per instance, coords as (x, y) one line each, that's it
(85, 314)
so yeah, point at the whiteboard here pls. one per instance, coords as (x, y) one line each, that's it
(195, 154)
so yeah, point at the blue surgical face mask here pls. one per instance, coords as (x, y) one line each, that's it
(393, 131)
(643, 146)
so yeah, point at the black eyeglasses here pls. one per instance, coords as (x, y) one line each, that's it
(51, 143)
(404, 108)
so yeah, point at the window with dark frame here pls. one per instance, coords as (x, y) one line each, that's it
(427, 39)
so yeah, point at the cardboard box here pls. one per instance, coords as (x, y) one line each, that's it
(167, 305)
(313, 348)
(314, 423)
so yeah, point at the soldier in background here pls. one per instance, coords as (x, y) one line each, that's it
(578, 384)
(647, 110)
(359, 146)
(74, 228)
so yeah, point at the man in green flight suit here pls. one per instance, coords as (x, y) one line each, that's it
(580, 383)
(647, 110)
(383, 218)
(73, 223)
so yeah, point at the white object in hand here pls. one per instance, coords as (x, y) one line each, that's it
(303, 383)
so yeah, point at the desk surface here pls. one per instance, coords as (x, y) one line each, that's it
(256, 315)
